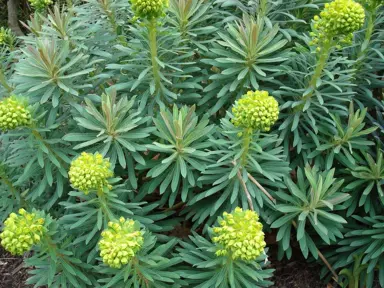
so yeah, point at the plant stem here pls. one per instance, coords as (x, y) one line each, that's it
(3, 81)
(247, 137)
(322, 257)
(104, 206)
(153, 49)
(322, 61)
(261, 188)
(249, 198)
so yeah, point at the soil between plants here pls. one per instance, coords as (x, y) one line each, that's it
(12, 272)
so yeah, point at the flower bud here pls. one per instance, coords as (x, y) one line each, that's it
(90, 172)
(120, 242)
(14, 113)
(21, 232)
(149, 9)
(240, 235)
(256, 110)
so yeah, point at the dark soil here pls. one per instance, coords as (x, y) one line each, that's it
(297, 274)
(12, 272)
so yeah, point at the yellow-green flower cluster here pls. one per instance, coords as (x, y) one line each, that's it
(240, 235)
(40, 4)
(149, 9)
(256, 110)
(90, 172)
(14, 113)
(120, 242)
(338, 21)
(21, 232)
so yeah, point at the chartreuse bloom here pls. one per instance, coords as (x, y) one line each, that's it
(120, 242)
(256, 110)
(90, 172)
(149, 9)
(240, 235)
(22, 231)
(14, 113)
(338, 21)
(40, 4)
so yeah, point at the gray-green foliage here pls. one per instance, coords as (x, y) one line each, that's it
(155, 97)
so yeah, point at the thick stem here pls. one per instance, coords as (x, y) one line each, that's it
(247, 138)
(322, 61)
(104, 206)
(153, 49)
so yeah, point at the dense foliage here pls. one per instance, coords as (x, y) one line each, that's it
(125, 121)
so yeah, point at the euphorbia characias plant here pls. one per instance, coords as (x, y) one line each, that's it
(166, 139)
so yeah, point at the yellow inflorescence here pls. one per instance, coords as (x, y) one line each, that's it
(40, 4)
(256, 110)
(90, 172)
(120, 242)
(21, 232)
(149, 9)
(339, 19)
(14, 113)
(240, 235)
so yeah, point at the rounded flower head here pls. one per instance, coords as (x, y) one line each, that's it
(21, 232)
(120, 242)
(90, 172)
(40, 4)
(240, 235)
(149, 9)
(339, 19)
(14, 113)
(256, 110)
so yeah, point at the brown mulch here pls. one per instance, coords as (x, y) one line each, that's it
(297, 274)
(12, 272)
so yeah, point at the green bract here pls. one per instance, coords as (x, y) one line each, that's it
(149, 9)
(90, 172)
(239, 235)
(14, 113)
(256, 110)
(120, 242)
(22, 231)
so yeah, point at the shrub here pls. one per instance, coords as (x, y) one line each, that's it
(122, 121)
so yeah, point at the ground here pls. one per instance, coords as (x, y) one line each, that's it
(12, 272)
